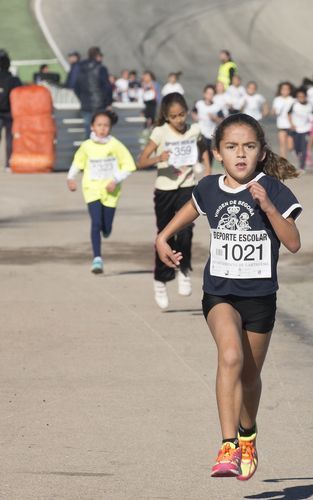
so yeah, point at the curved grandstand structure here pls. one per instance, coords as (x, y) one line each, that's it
(269, 39)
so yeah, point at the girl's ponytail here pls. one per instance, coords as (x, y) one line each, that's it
(277, 166)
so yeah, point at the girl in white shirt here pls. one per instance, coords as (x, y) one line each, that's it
(208, 115)
(220, 98)
(174, 147)
(172, 85)
(121, 85)
(280, 108)
(149, 93)
(235, 95)
(300, 116)
(254, 104)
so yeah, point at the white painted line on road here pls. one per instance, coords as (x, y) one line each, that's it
(75, 130)
(72, 121)
(47, 34)
(65, 106)
(135, 119)
(77, 143)
(128, 105)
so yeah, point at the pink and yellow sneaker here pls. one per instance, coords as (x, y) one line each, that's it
(228, 461)
(249, 456)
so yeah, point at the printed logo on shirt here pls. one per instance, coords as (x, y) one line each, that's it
(237, 251)
(229, 217)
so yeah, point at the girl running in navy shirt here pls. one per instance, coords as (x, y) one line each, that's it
(250, 213)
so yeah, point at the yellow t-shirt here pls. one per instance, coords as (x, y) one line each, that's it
(178, 170)
(99, 162)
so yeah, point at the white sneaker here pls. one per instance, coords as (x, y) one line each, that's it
(97, 265)
(160, 294)
(184, 284)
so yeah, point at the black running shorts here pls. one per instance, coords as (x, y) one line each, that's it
(257, 313)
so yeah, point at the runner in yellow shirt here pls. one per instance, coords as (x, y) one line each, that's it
(227, 69)
(105, 163)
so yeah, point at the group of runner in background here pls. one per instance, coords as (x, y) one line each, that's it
(292, 107)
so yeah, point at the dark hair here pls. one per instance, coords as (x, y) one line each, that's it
(109, 114)
(4, 62)
(178, 74)
(301, 89)
(209, 86)
(94, 52)
(307, 82)
(273, 164)
(43, 66)
(289, 84)
(227, 53)
(150, 73)
(74, 53)
(166, 103)
(3, 52)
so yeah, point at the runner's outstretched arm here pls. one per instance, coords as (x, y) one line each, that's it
(185, 216)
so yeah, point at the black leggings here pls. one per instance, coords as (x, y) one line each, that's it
(101, 220)
(6, 122)
(208, 145)
(166, 204)
(301, 142)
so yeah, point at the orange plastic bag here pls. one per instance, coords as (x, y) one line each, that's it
(33, 130)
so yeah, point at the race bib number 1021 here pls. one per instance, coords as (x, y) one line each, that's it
(240, 254)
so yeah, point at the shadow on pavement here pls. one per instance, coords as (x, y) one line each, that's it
(193, 311)
(293, 493)
(70, 474)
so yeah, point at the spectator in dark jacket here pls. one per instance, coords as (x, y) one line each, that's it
(92, 86)
(74, 60)
(7, 83)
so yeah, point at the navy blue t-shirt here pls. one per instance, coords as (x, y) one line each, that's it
(244, 247)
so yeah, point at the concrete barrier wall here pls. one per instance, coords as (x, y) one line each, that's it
(270, 40)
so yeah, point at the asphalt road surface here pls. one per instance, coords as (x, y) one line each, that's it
(105, 397)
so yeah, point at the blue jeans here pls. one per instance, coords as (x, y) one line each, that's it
(101, 221)
(87, 115)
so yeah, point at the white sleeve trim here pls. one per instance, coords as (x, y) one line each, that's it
(120, 176)
(291, 209)
(73, 171)
(197, 206)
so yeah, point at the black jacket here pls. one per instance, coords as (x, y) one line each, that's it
(7, 83)
(92, 86)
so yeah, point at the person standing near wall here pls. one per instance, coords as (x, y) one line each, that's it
(74, 60)
(92, 86)
(7, 83)
(227, 69)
